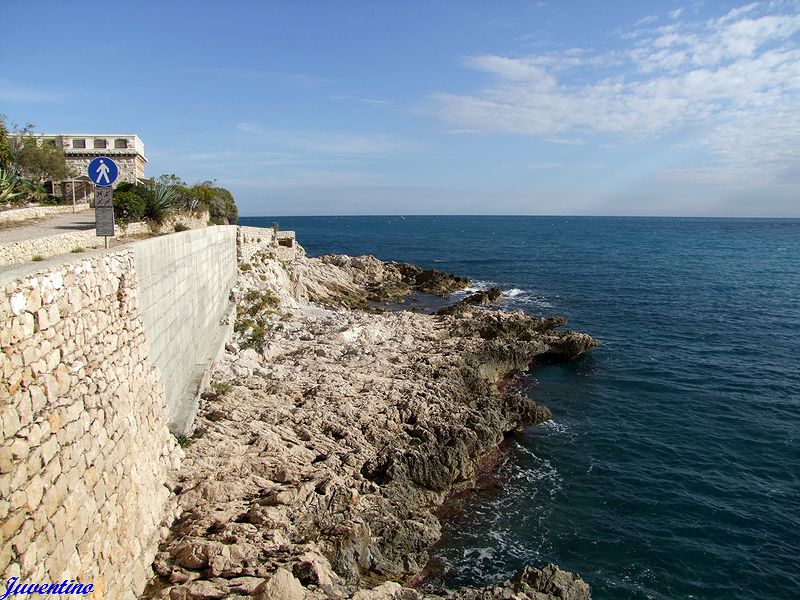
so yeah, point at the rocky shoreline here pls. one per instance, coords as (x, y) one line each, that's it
(332, 434)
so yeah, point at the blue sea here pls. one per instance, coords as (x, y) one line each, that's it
(671, 467)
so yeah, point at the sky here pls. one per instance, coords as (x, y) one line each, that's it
(618, 107)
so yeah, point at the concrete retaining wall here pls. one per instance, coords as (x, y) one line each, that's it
(184, 281)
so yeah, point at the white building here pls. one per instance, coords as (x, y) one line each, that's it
(126, 149)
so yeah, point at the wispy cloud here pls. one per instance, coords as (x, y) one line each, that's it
(328, 143)
(734, 80)
(646, 20)
(12, 92)
(357, 98)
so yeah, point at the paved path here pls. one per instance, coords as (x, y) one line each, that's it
(47, 226)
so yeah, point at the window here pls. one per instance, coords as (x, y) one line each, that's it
(79, 143)
(120, 143)
(100, 144)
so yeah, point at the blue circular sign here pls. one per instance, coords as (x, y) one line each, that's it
(103, 171)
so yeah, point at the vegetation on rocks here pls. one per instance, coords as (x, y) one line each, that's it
(207, 196)
(255, 317)
(169, 196)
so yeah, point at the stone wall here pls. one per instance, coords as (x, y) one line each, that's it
(251, 240)
(85, 449)
(92, 347)
(36, 212)
(63, 243)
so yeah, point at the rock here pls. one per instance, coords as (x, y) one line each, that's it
(552, 581)
(192, 554)
(197, 590)
(281, 586)
(482, 298)
(244, 585)
(387, 591)
(323, 465)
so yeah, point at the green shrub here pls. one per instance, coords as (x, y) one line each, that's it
(181, 227)
(136, 203)
(37, 258)
(77, 249)
(253, 317)
(129, 206)
(246, 267)
(217, 201)
(183, 441)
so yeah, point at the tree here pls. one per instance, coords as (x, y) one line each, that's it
(217, 200)
(5, 147)
(36, 159)
(170, 179)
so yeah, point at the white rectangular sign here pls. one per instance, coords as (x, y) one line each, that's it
(104, 219)
(103, 197)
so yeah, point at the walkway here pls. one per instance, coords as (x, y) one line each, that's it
(47, 226)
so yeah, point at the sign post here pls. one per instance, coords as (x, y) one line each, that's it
(103, 172)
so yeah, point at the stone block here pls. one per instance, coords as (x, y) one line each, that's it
(42, 319)
(35, 463)
(11, 524)
(49, 449)
(38, 398)
(9, 421)
(11, 454)
(22, 327)
(34, 493)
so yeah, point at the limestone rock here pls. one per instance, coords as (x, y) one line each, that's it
(281, 586)
(317, 468)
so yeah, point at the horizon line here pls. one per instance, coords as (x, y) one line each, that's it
(523, 215)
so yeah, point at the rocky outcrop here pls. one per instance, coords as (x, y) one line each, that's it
(482, 298)
(331, 436)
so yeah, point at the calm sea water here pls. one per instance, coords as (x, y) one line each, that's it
(671, 468)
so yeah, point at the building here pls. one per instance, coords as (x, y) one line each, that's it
(126, 149)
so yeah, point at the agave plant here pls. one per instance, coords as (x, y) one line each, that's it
(33, 191)
(10, 188)
(160, 203)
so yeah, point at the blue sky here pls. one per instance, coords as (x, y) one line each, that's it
(596, 108)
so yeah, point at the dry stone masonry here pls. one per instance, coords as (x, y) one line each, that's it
(85, 448)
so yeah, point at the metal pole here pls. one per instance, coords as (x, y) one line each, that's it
(73, 196)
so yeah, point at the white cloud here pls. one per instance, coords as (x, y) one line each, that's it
(733, 80)
(326, 142)
(646, 20)
(675, 14)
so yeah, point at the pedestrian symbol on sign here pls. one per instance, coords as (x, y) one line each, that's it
(103, 171)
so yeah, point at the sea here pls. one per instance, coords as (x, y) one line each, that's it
(671, 466)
